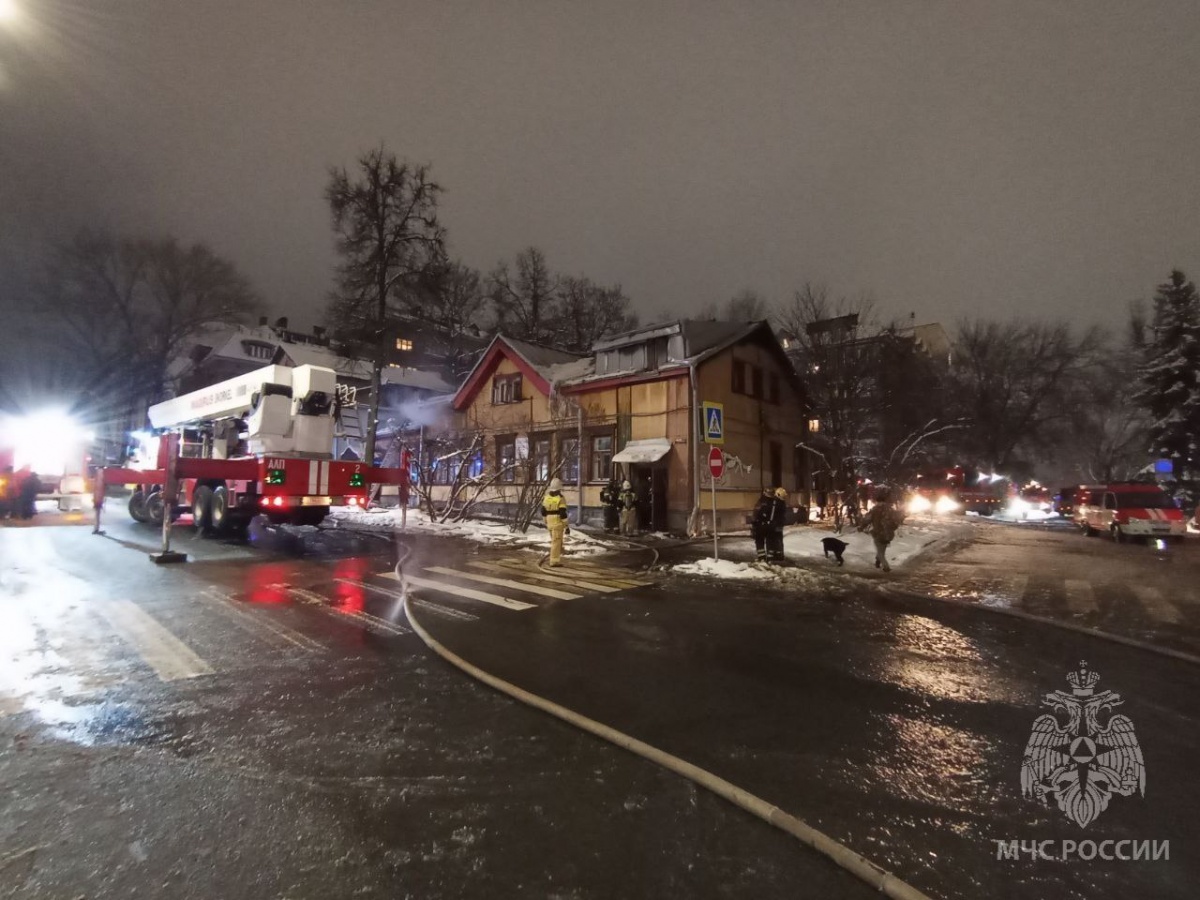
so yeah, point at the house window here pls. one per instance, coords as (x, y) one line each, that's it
(772, 387)
(814, 425)
(602, 454)
(506, 389)
(570, 460)
(747, 379)
(403, 344)
(258, 349)
(475, 466)
(739, 377)
(541, 458)
(506, 458)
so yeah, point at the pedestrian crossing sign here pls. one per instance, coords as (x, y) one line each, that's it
(714, 423)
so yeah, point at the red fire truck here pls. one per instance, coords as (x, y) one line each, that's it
(959, 489)
(257, 444)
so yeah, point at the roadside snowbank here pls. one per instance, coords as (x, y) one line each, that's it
(723, 568)
(490, 533)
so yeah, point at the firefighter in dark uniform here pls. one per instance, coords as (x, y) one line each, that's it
(766, 524)
(610, 496)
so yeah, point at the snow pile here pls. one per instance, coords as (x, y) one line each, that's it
(1028, 515)
(723, 568)
(491, 533)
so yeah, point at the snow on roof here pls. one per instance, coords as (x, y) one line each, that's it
(575, 370)
(310, 355)
(416, 378)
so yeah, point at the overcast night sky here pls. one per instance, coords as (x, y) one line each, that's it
(952, 159)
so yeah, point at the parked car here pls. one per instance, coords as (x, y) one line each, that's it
(1129, 510)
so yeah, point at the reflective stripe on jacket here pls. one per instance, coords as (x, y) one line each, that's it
(554, 505)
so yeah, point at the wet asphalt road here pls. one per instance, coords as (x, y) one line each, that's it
(1137, 589)
(251, 725)
(275, 729)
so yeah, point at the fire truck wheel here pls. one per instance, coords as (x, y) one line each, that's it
(137, 507)
(202, 507)
(1088, 530)
(1118, 535)
(219, 513)
(154, 508)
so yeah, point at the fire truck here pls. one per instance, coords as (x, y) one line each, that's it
(259, 444)
(959, 489)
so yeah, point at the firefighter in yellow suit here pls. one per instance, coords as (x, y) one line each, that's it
(554, 510)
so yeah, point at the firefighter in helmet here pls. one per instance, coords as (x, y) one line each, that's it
(554, 512)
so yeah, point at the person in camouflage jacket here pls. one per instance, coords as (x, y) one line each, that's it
(882, 521)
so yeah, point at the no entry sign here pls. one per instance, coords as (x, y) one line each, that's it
(716, 462)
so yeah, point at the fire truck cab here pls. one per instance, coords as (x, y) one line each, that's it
(257, 444)
(1128, 510)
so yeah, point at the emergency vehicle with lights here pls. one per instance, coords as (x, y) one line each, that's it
(1128, 510)
(257, 444)
(958, 489)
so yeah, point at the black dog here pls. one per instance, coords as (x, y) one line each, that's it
(836, 547)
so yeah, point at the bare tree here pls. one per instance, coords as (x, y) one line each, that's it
(454, 461)
(587, 312)
(1011, 381)
(747, 305)
(524, 302)
(390, 243)
(455, 303)
(125, 308)
(1107, 432)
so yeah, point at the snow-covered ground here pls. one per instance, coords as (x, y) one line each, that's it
(490, 533)
(802, 546)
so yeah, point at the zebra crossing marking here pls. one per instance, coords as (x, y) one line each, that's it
(1155, 604)
(372, 623)
(468, 593)
(1080, 596)
(542, 576)
(568, 569)
(259, 626)
(505, 582)
(170, 658)
(397, 595)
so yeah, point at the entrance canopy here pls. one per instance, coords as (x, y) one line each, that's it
(647, 451)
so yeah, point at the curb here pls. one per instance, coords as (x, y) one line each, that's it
(861, 867)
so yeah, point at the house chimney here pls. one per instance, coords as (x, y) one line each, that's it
(262, 321)
(281, 322)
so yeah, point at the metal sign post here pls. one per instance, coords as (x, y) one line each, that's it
(716, 468)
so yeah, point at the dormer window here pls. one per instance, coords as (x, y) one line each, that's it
(258, 349)
(404, 344)
(506, 389)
